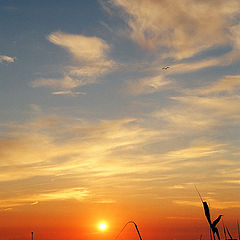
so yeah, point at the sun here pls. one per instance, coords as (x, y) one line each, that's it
(102, 226)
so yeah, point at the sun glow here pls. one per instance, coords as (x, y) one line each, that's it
(102, 226)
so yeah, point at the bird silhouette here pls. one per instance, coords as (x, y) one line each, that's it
(165, 68)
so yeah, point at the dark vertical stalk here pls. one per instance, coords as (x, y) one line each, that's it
(238, 230)
(224, 230)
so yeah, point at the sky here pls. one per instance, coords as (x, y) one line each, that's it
(94, 129)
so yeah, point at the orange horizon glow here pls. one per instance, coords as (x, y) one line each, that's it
(114, 115)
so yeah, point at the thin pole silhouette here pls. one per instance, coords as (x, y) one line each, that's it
(136, 227)
(207, 214)
(238, 230)
(224, 230)
(32, 235)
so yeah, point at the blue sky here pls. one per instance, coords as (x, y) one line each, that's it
(83, 91)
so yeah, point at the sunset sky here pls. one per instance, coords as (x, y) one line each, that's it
(94, 130)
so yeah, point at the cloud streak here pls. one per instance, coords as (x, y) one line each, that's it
(184, 28)
(229, 84)
(148, 85)
(79, 158)
(63, 194)
(7, 59)
(89, 61)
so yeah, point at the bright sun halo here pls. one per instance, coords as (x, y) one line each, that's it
(102, 226)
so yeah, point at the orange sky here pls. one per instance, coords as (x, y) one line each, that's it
(74, 220)
(112, 110)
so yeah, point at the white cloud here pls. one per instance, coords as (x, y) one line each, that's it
(89, 52)
(89, 61)
(185, 27)
(7, 59)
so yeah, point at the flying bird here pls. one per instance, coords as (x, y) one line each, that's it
(165, 68)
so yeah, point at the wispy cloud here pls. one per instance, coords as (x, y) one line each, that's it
(195, 114)
(37, 150)
(148, 85)
(68, 93)
(63, 194)
(89, 61)
(215, 204)
(229, 84)
(7, 59)
(199, 150)
(184, 28)
(81, 157)
(90, 53)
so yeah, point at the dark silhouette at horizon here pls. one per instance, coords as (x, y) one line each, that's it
(207, 214)
(136, 227)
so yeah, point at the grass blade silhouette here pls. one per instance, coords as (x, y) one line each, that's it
(229, 233)
(238, 230)
(224, 230)
(207, 214)
(136, 227)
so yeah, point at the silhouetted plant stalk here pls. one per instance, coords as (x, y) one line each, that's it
(136, 227)
(213, 224)
(238, 230)
(229, 234)
(224, 230)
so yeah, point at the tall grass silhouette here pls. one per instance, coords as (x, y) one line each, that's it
(213, 225)
(136, 227)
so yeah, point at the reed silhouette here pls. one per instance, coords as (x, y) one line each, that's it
(213, 225)
(136, 227)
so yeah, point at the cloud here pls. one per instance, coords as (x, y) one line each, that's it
(89, 52)
(235, 36)
(71, 93)
(57, 154)
(23, 149)
(215, 204)
(185, 118)
(229, 84)
(195, 114)
(184, 28)
(63, 194)
(89, 61)
(7, 59)
(66, 83)
(199, 150)
(148, 85)
(177, 187)
(72, 159)
(180, 68)
(222, 106)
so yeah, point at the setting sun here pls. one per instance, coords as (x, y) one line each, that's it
(115, 114)
(102, 226)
